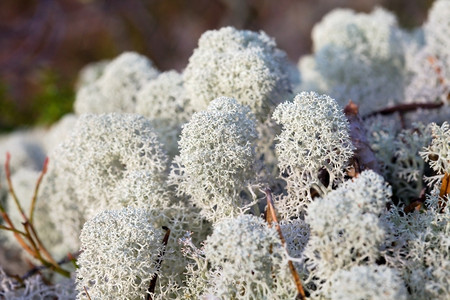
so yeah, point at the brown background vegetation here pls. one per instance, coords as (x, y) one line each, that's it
(44, 43)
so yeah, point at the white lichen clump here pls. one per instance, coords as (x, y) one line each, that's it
(91, 73)
(164, 102)
(418, 247)
(241, 64)
(120, 255)
(366, 282)
(86, 171)
(360, 57)
(27, 154)
(311, 80)
(407, 173)
(346, 229)
(25, 148)
(430, 63)
(59, 132)
(217, 156)
(117, 87)
(247, 261)
(296, 234)
(437, 154)
(314, 139)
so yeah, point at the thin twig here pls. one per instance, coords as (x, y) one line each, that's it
(69, 258)
(18, 237)
(37, 253)
(41, 246)
(5, 215)
(152, 286)
(271, 215)
(404, 108)
(35, 246)
(36, 190)
(28, 236)
(87, 294)
(12, 229)
(11, 188)
(73, 259)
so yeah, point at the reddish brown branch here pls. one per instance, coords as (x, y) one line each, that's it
(12, 230)
(272, 217)
(152, 287)
(35, 246)
(17, 235)
(41, 246)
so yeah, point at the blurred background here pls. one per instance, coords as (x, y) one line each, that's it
(44, 43)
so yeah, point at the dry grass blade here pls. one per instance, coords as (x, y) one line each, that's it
(271, 217)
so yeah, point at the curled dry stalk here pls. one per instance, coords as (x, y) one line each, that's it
(28, 238)
(444, 193)
(271, 217)
(416, 204)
